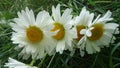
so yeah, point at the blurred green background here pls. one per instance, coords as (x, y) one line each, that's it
(107, 58)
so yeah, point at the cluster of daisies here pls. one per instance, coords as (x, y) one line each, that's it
(48, 34)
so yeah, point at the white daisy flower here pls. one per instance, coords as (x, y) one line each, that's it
(97, 34)
(66, 32)
(12, 63)
(80, 22)
(34, 36)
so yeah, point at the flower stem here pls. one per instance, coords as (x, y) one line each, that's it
(51, 61)
(33, 61)
(42, 60)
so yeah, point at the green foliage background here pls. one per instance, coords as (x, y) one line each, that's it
(107, 58)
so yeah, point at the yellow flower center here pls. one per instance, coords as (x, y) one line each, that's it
(97, 32)
(79, 28)
(61, 33)
(34, 34)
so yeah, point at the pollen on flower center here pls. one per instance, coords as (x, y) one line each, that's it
(97, 32)
(34, 34)
(79, 28)
(61, 33)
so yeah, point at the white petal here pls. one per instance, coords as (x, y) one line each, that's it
(41, 19)
(89, 48)
(107, 15)
(56, 12)
(12, 63)
(60, 46)
(95, 46)
(91, 16)
(82, 53)
(83, 31)
(96, 20)
(81, 40)
(66, 16)
(89, 33)
(105, 18)
(111, 26)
